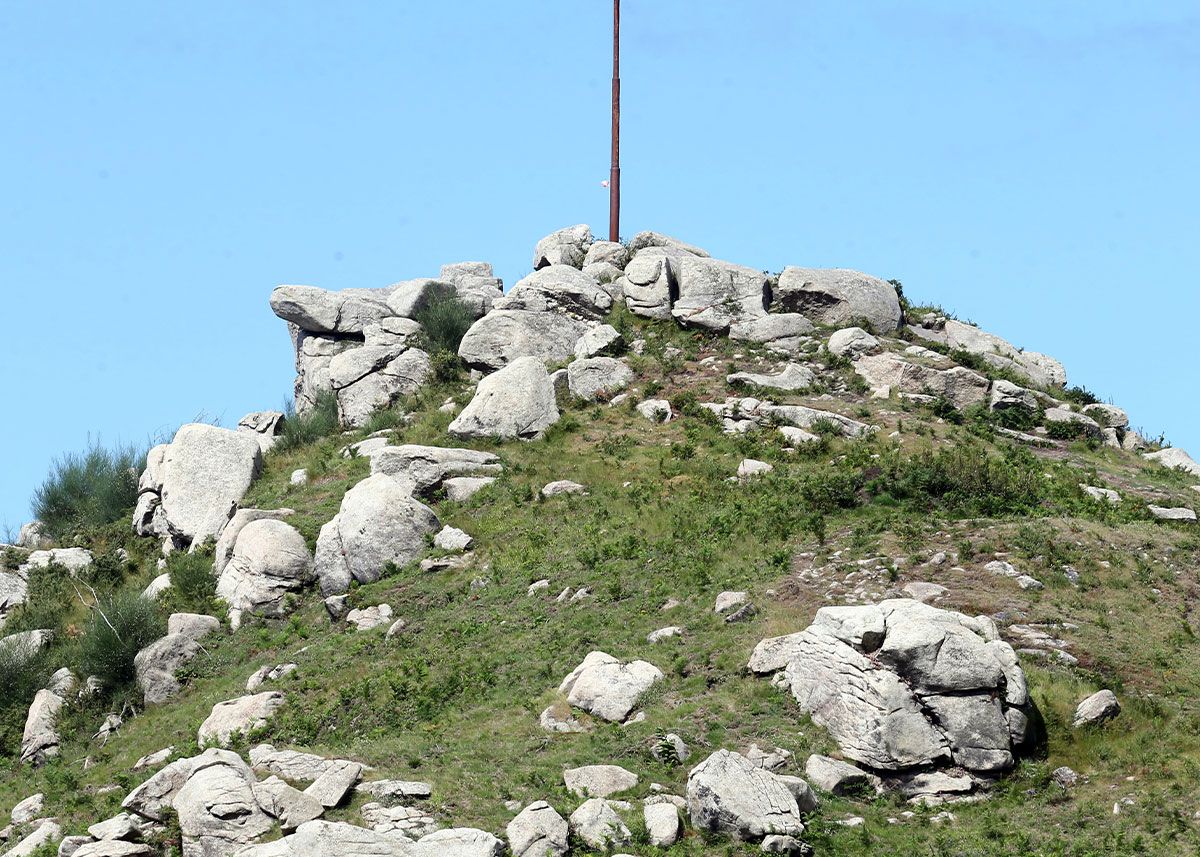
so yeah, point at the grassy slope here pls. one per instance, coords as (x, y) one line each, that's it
(454, 700)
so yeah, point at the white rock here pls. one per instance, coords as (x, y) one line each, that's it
(517, 401)
(726, 601)
(792, 377)
(608, 688)
(378, 522)
(664, 634)
(598, 780)
(655, 410)
(852, 342)
(538, 831)
(1098, 708)
(598, 825)
(751, 467)
(368, 618)
(1175, 459)
(594, 378)
(726, 793)
(241, 715)
(662, 824)
(563, 486)
(452, 539)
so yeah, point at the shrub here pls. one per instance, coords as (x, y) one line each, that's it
(117, 629)
(446, 365)
(444, 318)
(321, 420)
(22, 674)
(47, 601)
(86, 489)
(193, 585)
(1067, 430)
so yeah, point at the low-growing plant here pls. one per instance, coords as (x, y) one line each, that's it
(118, 628)
(88, 489)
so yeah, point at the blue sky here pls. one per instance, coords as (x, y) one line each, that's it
(1032, 166)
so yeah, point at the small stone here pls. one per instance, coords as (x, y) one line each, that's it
(726, 601)
(563, 486)
(1098, 708)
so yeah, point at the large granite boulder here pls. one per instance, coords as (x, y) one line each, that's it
(782, 332)
(595, 378)
(715, 295)
(502, 336)
(646, 239)
(241, 715)
(538, 831)
(959, 336)
(40, 741)
(1174, 458)
(218, 806)
(727, 793)
(561, 289)
(156, 665)
(427, 468)
(608, 688)
(889, 372)
(839, 297)
(192, 485)
(902, 685)
(270, 562)
(379, 522)
(650, 284)
(517, 402)
(374, 377)
(565, 247)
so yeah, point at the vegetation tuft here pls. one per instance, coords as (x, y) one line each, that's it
(88, 489)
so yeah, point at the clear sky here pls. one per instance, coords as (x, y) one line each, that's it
(1030, 165)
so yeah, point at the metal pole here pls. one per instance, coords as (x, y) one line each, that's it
(614, 176)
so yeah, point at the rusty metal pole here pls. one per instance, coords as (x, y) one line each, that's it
(614, 176)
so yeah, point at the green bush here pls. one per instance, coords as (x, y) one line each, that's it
(193, 585)
(47, 601)
(22, 674)
(444, 318)
(965, 479)
(86, 489)
(116, 630)
(1067, 430)
(321, 420)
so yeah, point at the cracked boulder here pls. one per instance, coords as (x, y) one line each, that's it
(155, 666)
(379, 522)
(607, 688)
(839, 297)
(192, 485)
(374, 377)
(515, 403)
(428, 468)
(903, 685)
(715, 295)
(270, 561)
(729, 794)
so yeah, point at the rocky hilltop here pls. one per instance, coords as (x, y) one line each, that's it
(651, 553)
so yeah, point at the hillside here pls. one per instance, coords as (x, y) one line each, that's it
(733, 451)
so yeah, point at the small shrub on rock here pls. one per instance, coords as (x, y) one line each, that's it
(321, 420)
(444, 318)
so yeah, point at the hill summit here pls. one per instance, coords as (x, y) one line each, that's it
(652, 553)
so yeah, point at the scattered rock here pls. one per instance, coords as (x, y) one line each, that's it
(751, 467)
(369, 618)
(662, 824)
(538, 831)
(608, 688)
(563, 486)
(598, 825)
(452, 539)
(1098, 708)
(270, 562)
(594, 378)
(726, 601)
(852, 342)
(335, 782)
(655, 410)
(664, 634)
(1175, 459)
(268, 673)
(242, 715)
(598, 780)
(728, 794)
(1172, 514)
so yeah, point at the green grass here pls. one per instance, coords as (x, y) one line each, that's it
(454, 699)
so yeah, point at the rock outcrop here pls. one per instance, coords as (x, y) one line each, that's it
(379, 522)
(902, 685)
(191, 486)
